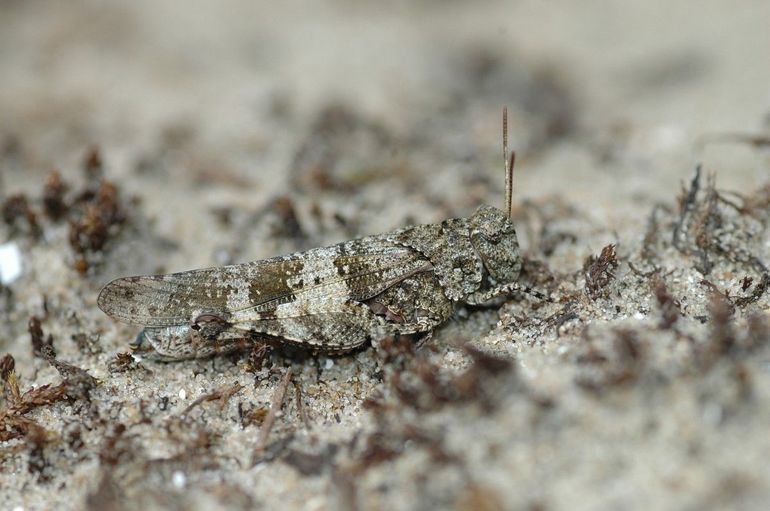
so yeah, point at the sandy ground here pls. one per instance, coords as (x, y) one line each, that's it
(234, 131)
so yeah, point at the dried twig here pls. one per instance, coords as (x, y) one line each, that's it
(755, 140)
(300, 408)
(599, 272)
(759, 290)
(687, 205)
(8, 375)
(222, 395)
(40, 343)
(275, 407)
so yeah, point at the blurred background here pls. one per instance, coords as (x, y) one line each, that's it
(605, 98)
(238, 130)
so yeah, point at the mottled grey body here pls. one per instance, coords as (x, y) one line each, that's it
(330, 299)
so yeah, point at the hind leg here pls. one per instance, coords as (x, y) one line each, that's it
(184, 343)
(416, 305)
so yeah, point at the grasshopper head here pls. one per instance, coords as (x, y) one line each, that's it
(494, 239)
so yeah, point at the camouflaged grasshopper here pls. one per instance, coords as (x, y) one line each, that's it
(331, 299)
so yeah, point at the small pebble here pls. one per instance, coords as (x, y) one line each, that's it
(179, 480)
(10, 262)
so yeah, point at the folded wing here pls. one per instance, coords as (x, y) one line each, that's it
(312, 281)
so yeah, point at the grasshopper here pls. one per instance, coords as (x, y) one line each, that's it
(330, 299)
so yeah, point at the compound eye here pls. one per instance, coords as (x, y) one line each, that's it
(491, 233)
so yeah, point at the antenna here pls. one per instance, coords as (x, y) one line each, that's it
(507, 165)
(509, 183)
